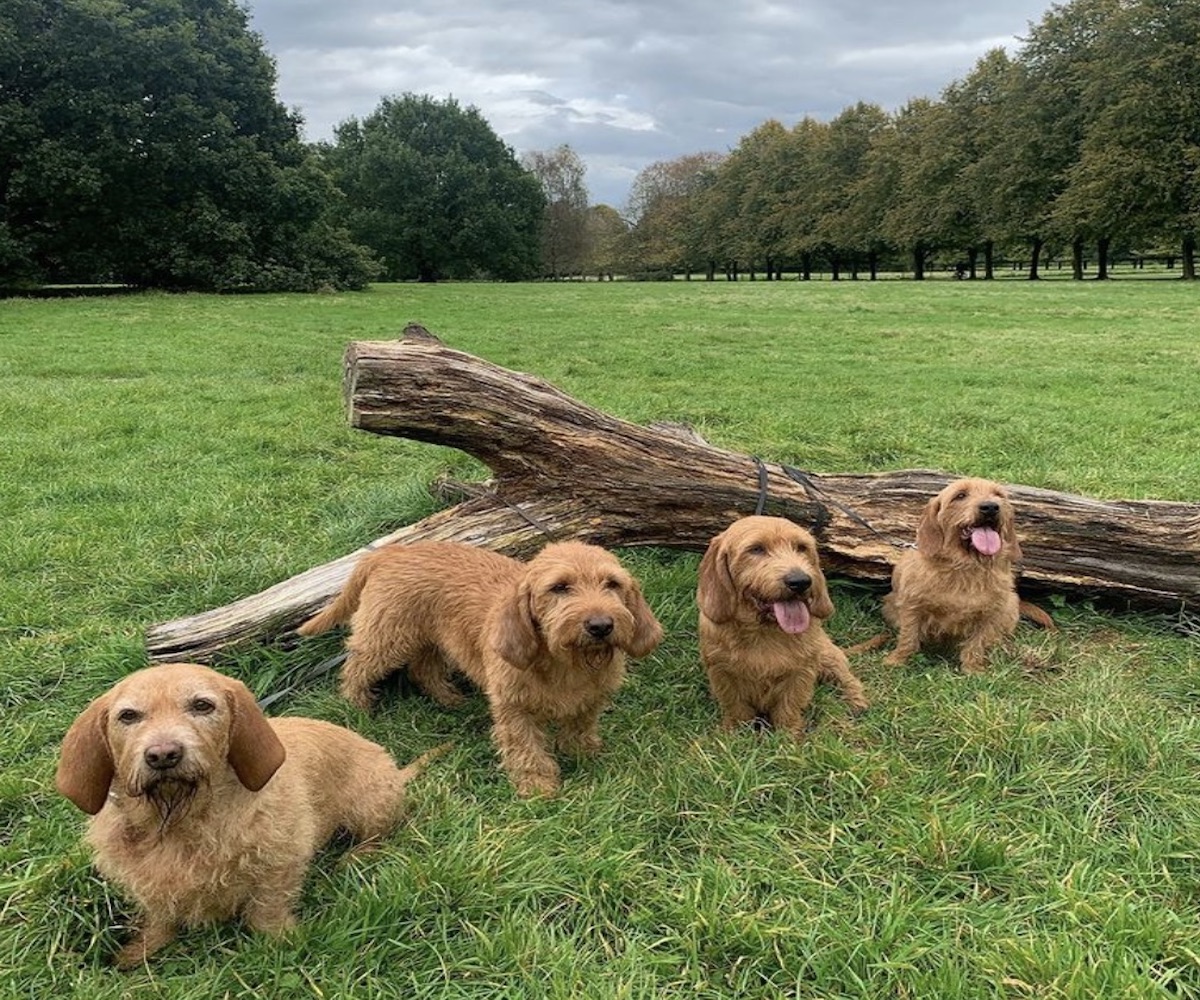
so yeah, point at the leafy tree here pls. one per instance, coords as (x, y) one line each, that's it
(984, 99)
(848, 220)
(916, 218)
(142, 142)
(605, 244)
(1136, 175)
(1051, 116)
(1016, 173)
(435, 193)
(800, 204)
(754, 178)
(565, 223)
(667, 230)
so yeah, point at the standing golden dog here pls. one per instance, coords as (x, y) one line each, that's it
(203, 809)
(958, 586)
(546, 640)
(762, 599)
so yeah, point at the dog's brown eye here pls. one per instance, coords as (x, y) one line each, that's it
(960, 495)
(202, 706)
(612, 584)
(128, 716)
(757, 550)
(560, 588)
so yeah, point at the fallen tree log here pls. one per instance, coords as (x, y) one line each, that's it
(563, 469)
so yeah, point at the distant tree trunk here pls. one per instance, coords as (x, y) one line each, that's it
(1035, 253)
(989, 260)
(854, 267)
(1077, 258)
(1189, 257)
(835, 268)
(710, 271)
(1102, 258)
(918, 261)
(972, 263)
(753, 276)
(873, 264)
(806, 267)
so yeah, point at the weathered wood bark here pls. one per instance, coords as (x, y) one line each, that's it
(563, 469)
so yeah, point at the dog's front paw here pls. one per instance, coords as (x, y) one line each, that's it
(585, 745)
(362, 698)
(142, 946)
(130, 957)
(536, 785)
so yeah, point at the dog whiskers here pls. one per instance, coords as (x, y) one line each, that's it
(595, 655)
(171, 799)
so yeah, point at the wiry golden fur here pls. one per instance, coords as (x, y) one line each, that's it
(546, 640)
(203, 809)
(949, 592)
(762, 600)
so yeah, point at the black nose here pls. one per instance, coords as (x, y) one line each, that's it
(163, 756)
(599, 627)
(989, 509)
(797, 582)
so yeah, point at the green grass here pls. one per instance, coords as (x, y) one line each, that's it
(1028, 832)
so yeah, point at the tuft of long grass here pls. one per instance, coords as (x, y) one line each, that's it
(1027, 832)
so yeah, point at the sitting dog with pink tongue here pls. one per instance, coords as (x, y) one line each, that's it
(762, 600)
(958, 587)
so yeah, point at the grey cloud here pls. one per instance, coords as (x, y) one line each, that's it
(627, 82)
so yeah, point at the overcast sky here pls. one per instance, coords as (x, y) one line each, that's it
(628, 82)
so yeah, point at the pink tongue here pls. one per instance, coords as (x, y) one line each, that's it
(791, 615)
(985, 541)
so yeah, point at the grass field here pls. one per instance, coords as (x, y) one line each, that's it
(1031, 832)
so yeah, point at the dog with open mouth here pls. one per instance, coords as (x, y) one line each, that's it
(763, 599)
(958, 587)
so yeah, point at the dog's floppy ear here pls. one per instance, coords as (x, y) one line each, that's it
(516, 637)
(85, 766)
(715, 592)
(647, 632)
(1008, 532)
(255, 752)
(930, 536)
(1008, 526)
(819, 604)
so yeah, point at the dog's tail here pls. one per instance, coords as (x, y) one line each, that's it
(416, 766)
(341, 607)
(869, 644)
(1037, 615)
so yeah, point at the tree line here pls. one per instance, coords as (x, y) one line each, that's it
(141, 143)
(1083, 144)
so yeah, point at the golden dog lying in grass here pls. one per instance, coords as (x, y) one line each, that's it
(762, 598)
(545, 641)
(203, 809)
